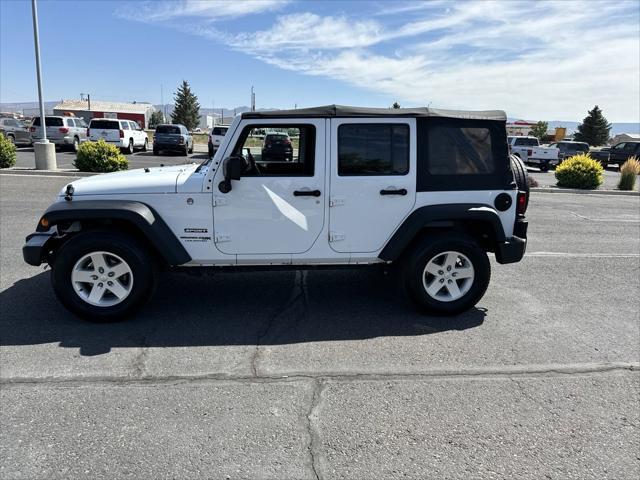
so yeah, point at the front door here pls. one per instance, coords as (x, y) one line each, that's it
(277, 207)
(373, 181)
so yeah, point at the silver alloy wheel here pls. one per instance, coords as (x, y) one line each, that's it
(102, 279)
(448, 276)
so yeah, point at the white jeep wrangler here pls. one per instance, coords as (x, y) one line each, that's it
(430, 191)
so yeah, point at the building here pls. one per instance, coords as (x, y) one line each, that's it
(88, 109)
(625, 137)
(519, 128)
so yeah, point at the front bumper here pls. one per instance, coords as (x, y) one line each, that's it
(35, 249)
(174, 147)
(542, 161)
(513, 249)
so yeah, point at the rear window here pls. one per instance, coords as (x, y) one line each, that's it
(219, 131)
(460, 151)
(276, 138)
(105, 124)
(168, 129)
(51, 121)
(526, 142)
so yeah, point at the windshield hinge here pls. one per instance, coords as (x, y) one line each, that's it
(336, 201)
(222, 237)
(218, 201)
(336, 237)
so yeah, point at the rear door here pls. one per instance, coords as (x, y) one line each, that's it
(372, 181)
(107, 130)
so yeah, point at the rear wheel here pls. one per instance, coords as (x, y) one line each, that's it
(191, 149)
(103, 276)
(447, 274)
(130, 148)
(186, 150)
(76, 144)
(11, 139)
(145, 147)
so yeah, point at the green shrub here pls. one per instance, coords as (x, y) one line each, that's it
(580, 171)
(7, 153)
(101, 157)
(628, 173)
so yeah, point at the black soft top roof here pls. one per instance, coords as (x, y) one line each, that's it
(346, 111)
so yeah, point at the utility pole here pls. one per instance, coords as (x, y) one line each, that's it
(45, 152)
(253, 99)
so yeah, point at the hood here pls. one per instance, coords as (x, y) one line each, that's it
(150, 180)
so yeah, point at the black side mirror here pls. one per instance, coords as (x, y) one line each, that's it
(232, 168)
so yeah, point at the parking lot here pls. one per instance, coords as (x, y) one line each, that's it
(332, 374)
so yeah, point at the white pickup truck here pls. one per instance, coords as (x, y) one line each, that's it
(531, 153)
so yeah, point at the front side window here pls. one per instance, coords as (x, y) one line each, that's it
(454, 150)
(373, 149)
(10, 122)
(277, 150)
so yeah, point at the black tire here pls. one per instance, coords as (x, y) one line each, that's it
(127, 248)
(211, 151)
(76, 144)
(156, 151)
(145, 147)
(191, 149)
(186, 150)
(415, 262)
(544, 168)
(520, 174)
(130, 149)
(11, 139)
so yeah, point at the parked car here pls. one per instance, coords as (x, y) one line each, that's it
(621, 152)
(175, 138)
(14, 131)
(216, 137)
(277, 146)
(62, 131)
(429, 192)
(125, 134)
(601, 155)
(568, 149)
(528, 149)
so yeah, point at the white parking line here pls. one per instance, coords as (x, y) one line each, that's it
(582, 255)
(613, 220)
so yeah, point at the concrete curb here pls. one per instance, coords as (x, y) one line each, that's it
(585, 192)
(49, 173)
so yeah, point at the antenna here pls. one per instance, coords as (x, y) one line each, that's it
(253, 99)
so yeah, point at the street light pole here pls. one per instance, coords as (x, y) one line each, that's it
(45, 152)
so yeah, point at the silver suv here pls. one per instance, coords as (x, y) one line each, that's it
(63, 131)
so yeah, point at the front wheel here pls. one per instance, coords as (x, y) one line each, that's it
(103, 276)
(447, 274)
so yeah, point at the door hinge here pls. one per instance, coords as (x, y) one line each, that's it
(336, 237)
(335, 202)
(218, 201)
(222, 237)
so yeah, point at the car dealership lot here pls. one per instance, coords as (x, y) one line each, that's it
(324, 374)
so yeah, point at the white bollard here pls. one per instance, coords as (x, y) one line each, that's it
(45, 155)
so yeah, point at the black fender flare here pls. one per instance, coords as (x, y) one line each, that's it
(139, 214)
(439, 216)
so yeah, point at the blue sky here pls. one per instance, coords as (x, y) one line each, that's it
(536, 60)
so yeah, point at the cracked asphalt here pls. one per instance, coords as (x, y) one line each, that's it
(321, 374)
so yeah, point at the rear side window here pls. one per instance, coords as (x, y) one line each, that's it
(460, 151)
(219, 131)
(373, 149)
(71, 122)
(168, 129)
(462, 154)
(125, 125)
(105, 124)
(50, 121)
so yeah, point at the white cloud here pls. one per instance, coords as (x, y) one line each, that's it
(165, 10)
(539, 60)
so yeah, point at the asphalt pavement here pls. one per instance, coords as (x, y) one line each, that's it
(322, 374)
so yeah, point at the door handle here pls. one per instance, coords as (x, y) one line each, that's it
(401, 191)
(306, 193)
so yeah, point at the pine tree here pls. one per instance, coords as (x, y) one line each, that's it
(594, 129)
(186, 109)
(539, 130)
(156, 119)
